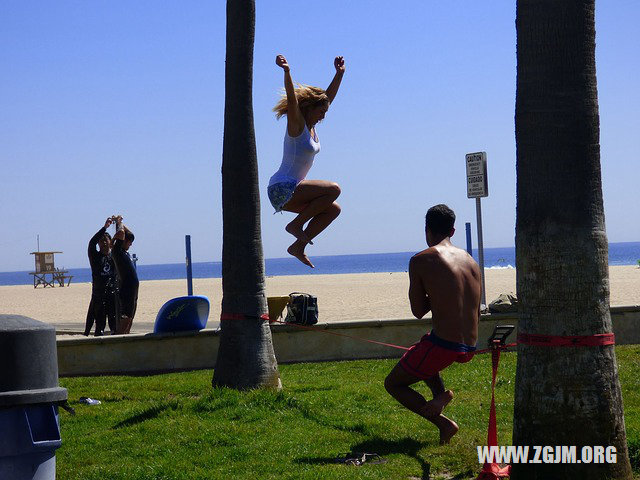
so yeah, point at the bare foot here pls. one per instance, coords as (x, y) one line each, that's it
(297, 232)
(434, 407)
(124, 325)
(447, 429)
(297, 250)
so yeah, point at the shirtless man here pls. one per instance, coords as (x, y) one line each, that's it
(446, 280)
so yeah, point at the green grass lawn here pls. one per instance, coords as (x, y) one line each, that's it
(176, 426)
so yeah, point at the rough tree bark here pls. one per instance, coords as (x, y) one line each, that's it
(245, 357)
(564, 395)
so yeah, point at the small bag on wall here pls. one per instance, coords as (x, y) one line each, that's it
(302, 309)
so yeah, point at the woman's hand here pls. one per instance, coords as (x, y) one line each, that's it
(332, 89)
(282, 62)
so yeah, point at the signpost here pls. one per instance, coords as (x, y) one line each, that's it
(187, 242)
(478, 187)
(468, 230)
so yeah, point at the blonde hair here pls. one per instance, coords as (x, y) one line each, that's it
(307, 97)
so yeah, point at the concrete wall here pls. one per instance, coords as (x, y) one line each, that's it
(137, 354)
(141, 354)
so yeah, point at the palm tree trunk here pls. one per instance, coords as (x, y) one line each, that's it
(245, 357)
(564, 395)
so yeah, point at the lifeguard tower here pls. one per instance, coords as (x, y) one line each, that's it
(46, 273)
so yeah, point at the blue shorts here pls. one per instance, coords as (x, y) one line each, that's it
(280, 193)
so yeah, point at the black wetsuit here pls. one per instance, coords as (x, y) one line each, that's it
(103, 289)
(127, 279)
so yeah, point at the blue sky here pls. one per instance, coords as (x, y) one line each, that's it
(117, 107)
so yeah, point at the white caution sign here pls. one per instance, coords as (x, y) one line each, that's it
(477, 185)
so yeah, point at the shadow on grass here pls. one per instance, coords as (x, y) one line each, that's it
(308, 414)
(359, 427)
(405, 446)
(147, 414)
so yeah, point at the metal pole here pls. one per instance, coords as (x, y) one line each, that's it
(469, 246)
(483, 301)
(38, 242)
(187, 241)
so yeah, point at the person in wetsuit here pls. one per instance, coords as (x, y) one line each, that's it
(103, 283)
(127, 276)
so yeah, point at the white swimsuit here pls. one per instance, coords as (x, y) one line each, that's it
(297, 159)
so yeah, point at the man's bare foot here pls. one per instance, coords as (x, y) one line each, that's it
(297, 232)
(297, 250)
(447, 430)
(434, 407)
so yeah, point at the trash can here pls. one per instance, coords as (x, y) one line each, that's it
(29, 397)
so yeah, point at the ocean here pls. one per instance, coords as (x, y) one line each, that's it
(623, 253)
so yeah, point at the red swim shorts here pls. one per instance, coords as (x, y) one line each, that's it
(433, 354)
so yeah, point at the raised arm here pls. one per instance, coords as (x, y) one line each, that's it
(418, 298)
(120, 229)
(295, 120)
(332, 89)
(93, 243)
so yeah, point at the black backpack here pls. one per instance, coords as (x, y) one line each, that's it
(302, 309)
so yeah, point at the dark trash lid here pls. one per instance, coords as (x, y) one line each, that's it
(28, 362)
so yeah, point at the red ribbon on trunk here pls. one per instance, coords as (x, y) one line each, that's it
(567, 340)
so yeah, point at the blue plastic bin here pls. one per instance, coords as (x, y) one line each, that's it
(183, 314)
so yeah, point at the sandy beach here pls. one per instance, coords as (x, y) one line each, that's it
(345, 297)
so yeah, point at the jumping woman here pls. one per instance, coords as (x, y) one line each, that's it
(313, 200)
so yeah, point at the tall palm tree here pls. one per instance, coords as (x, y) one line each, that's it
(245, 356)
(564, 395)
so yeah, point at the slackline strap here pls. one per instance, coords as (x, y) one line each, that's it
(493, 471)
(596, 340)
(599, 339)
(308, 327)
(502, 347)
(492, 434)
(322, 330)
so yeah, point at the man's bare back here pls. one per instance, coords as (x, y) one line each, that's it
(447, 280)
